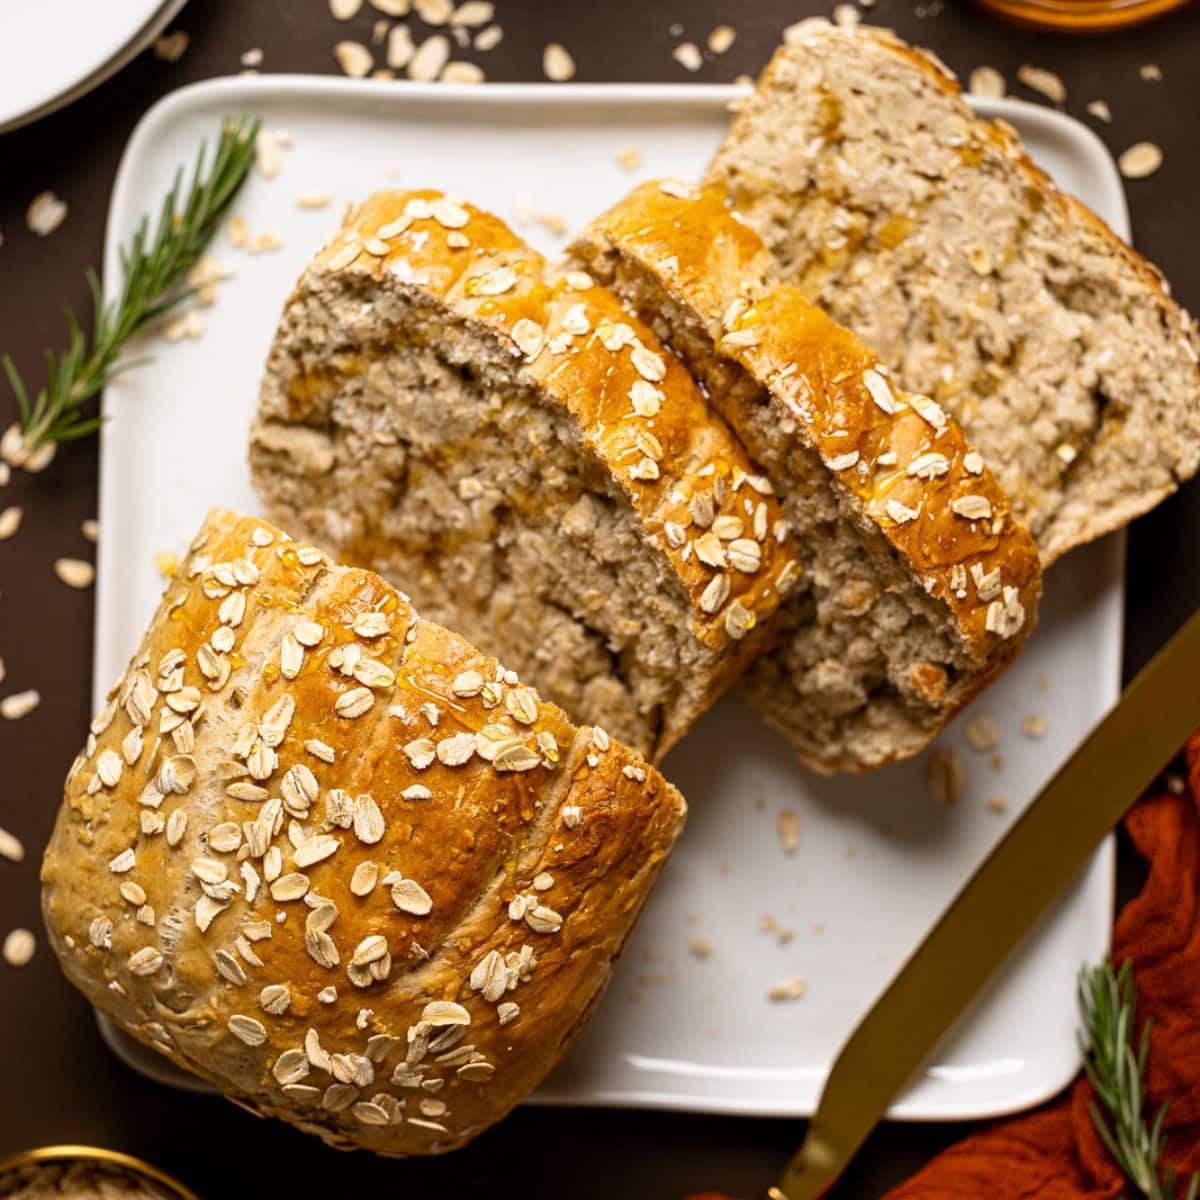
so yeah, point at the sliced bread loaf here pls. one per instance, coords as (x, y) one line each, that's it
(931, 234)
(524, 459)
(920, 583)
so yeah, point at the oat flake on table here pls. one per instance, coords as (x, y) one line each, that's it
(557, 63)
(1140, 160)
(430, 57)
(489, 38)
(986, 81)
(462, 72)
(10, 521)
(354, 59)
(19, 704)
(45, 214)
(1038, 79)
(171, 47)
(10, 846)
(19, 946)
(75, 572)
(687, 55)
(721, 39)
(473, 14)
(433, 12)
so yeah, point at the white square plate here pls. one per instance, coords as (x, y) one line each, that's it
(878, 857)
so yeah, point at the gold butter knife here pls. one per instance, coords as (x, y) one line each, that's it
(1017, 881)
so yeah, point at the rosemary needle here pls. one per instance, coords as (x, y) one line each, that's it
(154, 265)
(1107, 1010)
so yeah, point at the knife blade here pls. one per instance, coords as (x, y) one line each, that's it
(996, 907)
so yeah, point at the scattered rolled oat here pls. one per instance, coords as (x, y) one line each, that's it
(462, 72)
(982, 733)
(313, 200)
(552, 222)
(354, 59)
(1038, 79)
(75, 572)
(701, 948)
(789, 989)
(10, 846)
(996, 804)
(434, 12)
(986, 81)
(946, 778)
(1100, 110)
(261, 243)
(171, 47)
(252, 57)
(1034, 726)
(846, 16)
(91, 530)
(10, 521)
(392, 8)
(266, 154)
(430, 57)
(16, 452)
(344, 10)
(1140, 160)
(1150, 72)
(789, 831)
(473, 13)
(629, 159)
(721, 38)
(557, 63)
(45, 214)
(688, 56)
(19, 947)
(489, 38)
(187, 324)
(400, 47)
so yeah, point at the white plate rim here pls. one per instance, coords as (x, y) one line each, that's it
(247, 89)
(122, 57)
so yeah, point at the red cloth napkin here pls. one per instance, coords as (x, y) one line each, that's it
(1055, 1153)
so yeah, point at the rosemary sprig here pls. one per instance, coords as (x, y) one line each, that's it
(154, 266)
(1107, 1010)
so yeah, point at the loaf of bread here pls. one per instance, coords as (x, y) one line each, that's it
(919, 584)
(329, 857)
(931, 234)
(525, 460)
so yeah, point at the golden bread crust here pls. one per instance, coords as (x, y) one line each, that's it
(300, 785)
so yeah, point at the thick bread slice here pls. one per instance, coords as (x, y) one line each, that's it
(520, 456)
(329, 857)
(932, 235)
(921, 585)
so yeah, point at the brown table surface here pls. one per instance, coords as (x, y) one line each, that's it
(60, 1083)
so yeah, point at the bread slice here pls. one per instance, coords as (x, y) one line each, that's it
(521, 456)
(920, 583)
(329, 857)
(931, 234)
